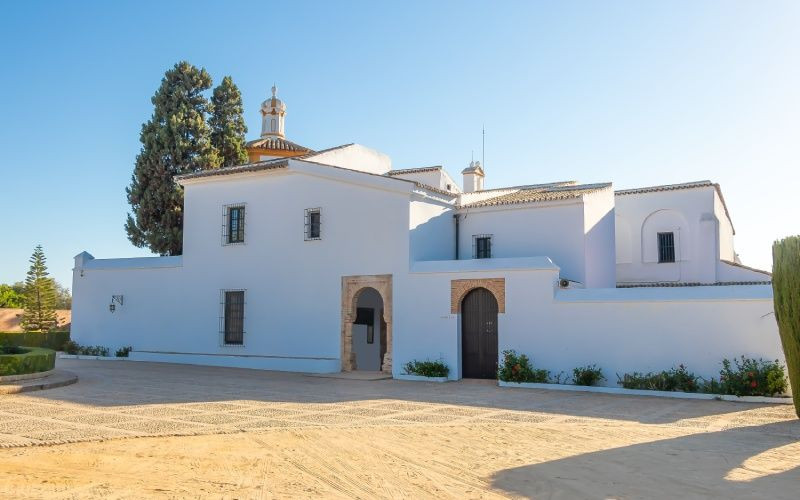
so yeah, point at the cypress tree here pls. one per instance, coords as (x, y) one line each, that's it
(786, 293)
(40, 295)
(227, 123)
(176, 140)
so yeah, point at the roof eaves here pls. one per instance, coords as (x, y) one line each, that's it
(238, 169)
(417, 170)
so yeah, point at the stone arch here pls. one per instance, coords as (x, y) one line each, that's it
(352, 286)
(460, 288)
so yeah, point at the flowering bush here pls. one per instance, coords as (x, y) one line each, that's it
(518, 368)
(674, 379)
(587, 375)
(750, 377)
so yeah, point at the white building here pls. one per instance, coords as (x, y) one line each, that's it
(321, 261)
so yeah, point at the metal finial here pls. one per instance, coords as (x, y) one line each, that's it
(274, 90)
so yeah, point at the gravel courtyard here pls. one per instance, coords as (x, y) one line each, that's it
(132, 430)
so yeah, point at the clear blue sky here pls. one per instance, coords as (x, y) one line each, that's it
(637, 93)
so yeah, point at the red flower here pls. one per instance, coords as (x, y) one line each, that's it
(753, 384)
(750, 374)
(516, 368)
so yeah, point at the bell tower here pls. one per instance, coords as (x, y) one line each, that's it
(273, 116)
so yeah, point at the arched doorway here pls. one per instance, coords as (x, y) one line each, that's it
(479, 334)
(368, 337)
(352, 291)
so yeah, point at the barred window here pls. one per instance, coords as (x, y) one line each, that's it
(313, 230)
(666, 247)
(232, 320)
(233, 224)
(482, 246)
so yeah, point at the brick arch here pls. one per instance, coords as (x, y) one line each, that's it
(352, 286)
(460, 288)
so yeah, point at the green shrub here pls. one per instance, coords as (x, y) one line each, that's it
(32, 360)
(786, 293)
(750, 377)
(49, 340)
(674, 379)
(587, 375)
(518, 368)
(427, 368)
(123, 352)
(73, 347)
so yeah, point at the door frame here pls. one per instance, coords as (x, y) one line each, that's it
(458, 290)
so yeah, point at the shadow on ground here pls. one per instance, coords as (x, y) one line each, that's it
(745, 462)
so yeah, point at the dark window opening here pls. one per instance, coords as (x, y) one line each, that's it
(666, 247)
(236, 225)
(234, 318)
(483, 247)
(313, 224)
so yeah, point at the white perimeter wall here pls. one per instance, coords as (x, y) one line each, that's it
(432, 230)
(621, 330)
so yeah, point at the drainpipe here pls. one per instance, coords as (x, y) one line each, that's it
(455, 218)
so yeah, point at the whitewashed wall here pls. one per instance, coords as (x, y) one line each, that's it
(553, 229)
(621, 330)
(293, 287)
(431, 230)
(689, 213)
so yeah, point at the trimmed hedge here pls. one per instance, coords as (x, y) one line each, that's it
(49, 340)
(34, 360)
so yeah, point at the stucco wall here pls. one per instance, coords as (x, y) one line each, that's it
(621, 330)
(599, 255)
(293, 287)
(689, 214)
(432, 230)
(554, 230)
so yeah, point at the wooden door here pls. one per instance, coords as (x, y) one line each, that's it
(479, 335)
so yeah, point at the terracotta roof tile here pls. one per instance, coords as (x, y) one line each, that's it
(276, 143)
(539, 194)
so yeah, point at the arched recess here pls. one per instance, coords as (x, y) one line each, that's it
(352, 286)
(665, 220)
(460, 288)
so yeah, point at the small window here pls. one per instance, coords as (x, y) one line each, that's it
(313, 224)
(233, 224)
(482, 246)
(666, 247)
(232, 317)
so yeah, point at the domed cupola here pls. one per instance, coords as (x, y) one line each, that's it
(273, 115)
(273, 143)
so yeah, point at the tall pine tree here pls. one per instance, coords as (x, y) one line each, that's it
(227, 123)
(176, 140)
(40, 295)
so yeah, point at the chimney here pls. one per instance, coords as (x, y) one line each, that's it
(473, 177)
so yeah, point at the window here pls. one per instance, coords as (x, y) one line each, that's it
(313, 224)
(232, 320)
(482, 246)
(233, 224)
(666, 247)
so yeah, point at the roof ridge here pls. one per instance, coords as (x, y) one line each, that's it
(666, 187)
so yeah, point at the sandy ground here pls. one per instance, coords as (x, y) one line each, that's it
(245, 434)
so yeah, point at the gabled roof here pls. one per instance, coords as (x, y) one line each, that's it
(277, 144)
(539, 194)
(675, 187)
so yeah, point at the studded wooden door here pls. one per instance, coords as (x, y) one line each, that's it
(479, 335)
